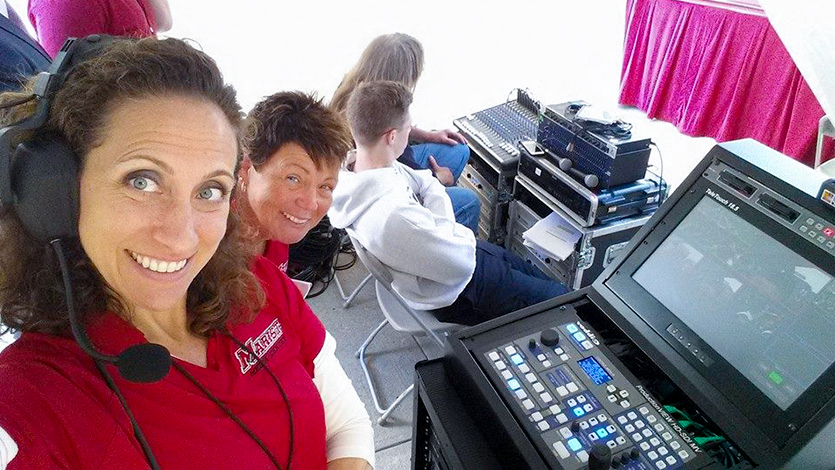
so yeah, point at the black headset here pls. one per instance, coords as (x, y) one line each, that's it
(39, 179)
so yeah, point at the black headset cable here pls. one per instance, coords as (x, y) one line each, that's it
(65, 274)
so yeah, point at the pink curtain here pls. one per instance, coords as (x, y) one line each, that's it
(719, 73)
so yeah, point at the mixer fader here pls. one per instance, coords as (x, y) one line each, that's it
(497, 129)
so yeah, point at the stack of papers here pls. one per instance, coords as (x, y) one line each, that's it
(552, 236)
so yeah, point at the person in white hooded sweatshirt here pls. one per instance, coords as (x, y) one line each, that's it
(404, 218)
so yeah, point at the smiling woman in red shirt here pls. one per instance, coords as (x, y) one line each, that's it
(151, 336)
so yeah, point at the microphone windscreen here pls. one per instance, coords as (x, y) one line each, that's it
(144, 363)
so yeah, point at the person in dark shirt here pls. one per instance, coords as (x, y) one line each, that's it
(20, 55)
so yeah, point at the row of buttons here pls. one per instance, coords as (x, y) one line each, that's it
(515, 386)
(820, 232)
(828, 231)
(543, 422)
(578, 336)
(562, 451)
(582, 405)
(654, 448)
(821, 239)
(616, 394)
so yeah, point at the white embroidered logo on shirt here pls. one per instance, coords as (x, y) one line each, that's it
(259, 346)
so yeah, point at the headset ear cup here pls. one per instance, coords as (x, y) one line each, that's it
(45, 185)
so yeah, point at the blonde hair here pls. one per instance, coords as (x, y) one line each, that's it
(396, 57)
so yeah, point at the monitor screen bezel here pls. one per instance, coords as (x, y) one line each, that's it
(778, 424)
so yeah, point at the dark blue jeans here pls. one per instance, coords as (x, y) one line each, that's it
(502, 283)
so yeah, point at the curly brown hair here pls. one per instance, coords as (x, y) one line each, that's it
(32, 296)
(293, 116)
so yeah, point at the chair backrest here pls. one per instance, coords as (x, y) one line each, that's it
(399, 314)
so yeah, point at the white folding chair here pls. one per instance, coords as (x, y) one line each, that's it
(401, 317)
(349, 297)
(825, 128)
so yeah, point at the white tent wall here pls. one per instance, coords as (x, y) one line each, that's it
(805, 28)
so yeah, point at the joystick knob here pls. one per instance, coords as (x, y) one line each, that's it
(550, 337)
(600, 457)
(532, 344)
(575, 427)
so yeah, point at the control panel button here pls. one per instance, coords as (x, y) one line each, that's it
(561, 450)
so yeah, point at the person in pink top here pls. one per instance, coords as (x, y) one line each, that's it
(294, 148)
(57, 20)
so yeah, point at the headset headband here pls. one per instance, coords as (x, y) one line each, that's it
(46, 85)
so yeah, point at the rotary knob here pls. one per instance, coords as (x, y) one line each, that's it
(550, 337)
